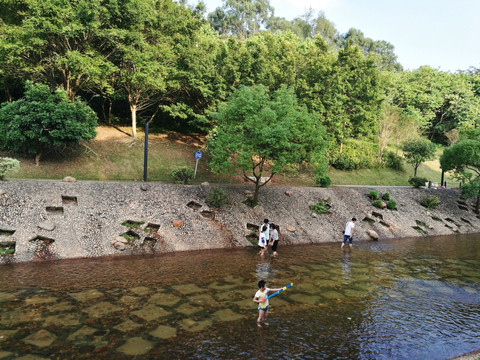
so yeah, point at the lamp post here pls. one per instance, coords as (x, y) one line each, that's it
(145, 154)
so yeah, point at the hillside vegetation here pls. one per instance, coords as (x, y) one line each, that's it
(115, 156)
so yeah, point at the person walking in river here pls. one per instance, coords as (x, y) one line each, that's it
(262, 242)
(348, 233)
(267, 231)
(261, 299)
(274, 237)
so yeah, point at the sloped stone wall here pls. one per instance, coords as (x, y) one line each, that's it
(47, 220)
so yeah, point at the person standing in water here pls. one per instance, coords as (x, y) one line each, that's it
(348, 233)
(274, 237)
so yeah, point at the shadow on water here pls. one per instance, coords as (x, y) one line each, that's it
(405, 299)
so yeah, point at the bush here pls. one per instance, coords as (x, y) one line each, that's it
(182, 174)
(429, 201)
(8, 164)
(386, 196)
(356, 154)
(378, 203)
(323, 180)
(320, 207)
(391, 205)
(392, 161)
(217, 197)
(373, 195)
(417, 181)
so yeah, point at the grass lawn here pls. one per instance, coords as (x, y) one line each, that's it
(114, 156)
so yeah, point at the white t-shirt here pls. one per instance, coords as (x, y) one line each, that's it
(349, 228)
(262, 242)
(262, 294)
(274, 235)
(267, 232)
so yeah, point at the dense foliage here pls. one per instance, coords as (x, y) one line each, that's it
(43, 120)
(173, 65)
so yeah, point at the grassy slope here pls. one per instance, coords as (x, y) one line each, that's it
(113, 155)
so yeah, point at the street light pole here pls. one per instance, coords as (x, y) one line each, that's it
(145, 155)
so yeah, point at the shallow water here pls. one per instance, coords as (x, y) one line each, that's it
(405, 299)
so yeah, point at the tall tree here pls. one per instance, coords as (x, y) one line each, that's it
(242, 18)
(260, 133)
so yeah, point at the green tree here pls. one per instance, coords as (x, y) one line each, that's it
(242, 18)
(261, 133)
(43, 120)
(418, 151)
(464, 159)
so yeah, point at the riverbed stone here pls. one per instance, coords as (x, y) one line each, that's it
(127, 325)
(127, 299)
(136, 346)
(4, 354)
(6, 334)
(164, 332)
(87, 295)
(373, 234)
(194, 326)
(62, 320)
(7, 297)
(47, 225)
(226, 315)
(177, 223)
(32, 357)
(141, 290)
(41, 338)
(119, 246)
(187, 309)
(60, 307)
(305, 299)
(38, 299)
(82, 334)
(164, 299)
(187, 289)
(101, 309)
(151, 312)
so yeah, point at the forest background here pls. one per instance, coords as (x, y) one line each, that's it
(173, 65)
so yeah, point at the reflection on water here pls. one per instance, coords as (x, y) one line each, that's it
(408, 299)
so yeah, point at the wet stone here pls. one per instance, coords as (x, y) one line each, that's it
(141, 290)
(127, 299)
(87, 295)
(164, 299)
(188, 309)
(194, 326)
(32, 357)
(42, 338)
(276, 302)
(203, 299)
(305, 299)
(217, 286)
(354, 293)
(82, 335)
(62, 320)
(18, 317)
(63, 306)
(326, 283)
(301, 269)
(47, 225)
(127, 326)
(6, 334)
(245, 304)
(164, 332)
(4, 354)
(151, 312)
(101, 309)
(307, 287)
(226, 296)
(34, 300)
(136, 346)
(6, 297)
(226, 315)
(332, 295)
(187, 289)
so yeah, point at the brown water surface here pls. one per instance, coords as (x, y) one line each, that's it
(404, 299)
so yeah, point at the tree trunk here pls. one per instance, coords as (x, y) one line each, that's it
(133, 109)
(255, 194)
(477, 205)
(38, 155)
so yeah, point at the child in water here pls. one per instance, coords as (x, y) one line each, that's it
(262, 241)
(261, 299)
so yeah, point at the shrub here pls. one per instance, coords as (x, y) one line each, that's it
(392, 161)
(429, 201)
(386, 196)
(323, 180)
(8, 164)
(391, 205)
(373, 195)
(417, 181)
(378, 203)
(320, 207)
(356, 154)
(182, 174)
(217, 197)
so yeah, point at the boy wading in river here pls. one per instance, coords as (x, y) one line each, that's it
(263, 305)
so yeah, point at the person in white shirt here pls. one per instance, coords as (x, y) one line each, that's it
(348, 233)
(262, 241)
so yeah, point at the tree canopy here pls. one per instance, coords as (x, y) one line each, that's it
(261, 132)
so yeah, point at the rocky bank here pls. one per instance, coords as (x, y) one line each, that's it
(46, 220)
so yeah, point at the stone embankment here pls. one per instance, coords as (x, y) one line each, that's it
(45, 220)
